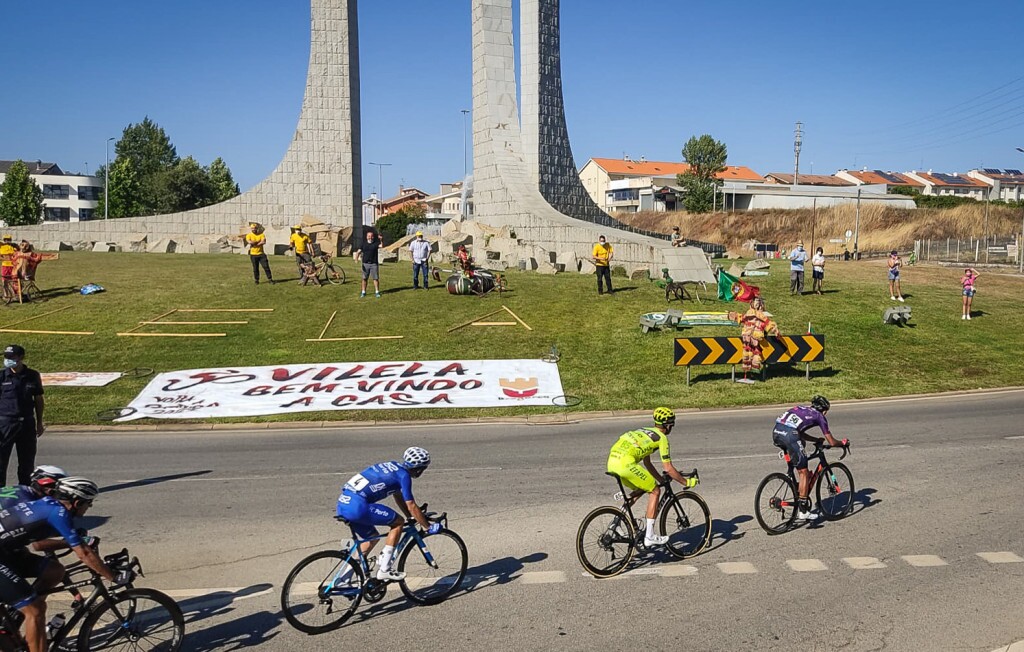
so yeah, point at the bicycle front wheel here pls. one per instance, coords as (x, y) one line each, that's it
(606, 541)
(686, 521)
(436, 570)
(135, 619)
(834, 491)
(318, 596)
(775, 503)
(334, 274)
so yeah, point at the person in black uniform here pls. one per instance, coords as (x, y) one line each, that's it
(21, 414)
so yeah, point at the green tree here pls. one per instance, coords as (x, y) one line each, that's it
(124, 189)
(223, 183)
(706, 157)
(184, 187)
(21, 200)
(393, 226)
(148, 147)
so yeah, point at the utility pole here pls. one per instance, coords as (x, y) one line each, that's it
(1020, 241)
(106, 181)
(856, 229)
(380, 188)
(465, 145)
(798, 142)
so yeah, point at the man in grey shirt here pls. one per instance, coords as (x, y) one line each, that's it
(797, 258)
(420, 250)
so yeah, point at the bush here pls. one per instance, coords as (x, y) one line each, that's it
(393, 226)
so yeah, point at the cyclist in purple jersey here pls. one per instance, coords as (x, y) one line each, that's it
(790, 429)
(357, 504)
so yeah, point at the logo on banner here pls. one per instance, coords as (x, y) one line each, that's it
(518, 387)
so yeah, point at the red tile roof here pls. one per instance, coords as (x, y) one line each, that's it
(952, 181)
(806, 179)
(663, 169)
(873, 176)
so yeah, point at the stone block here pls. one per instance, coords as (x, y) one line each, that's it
(83, 245)
(640, 275)
(450, 228)
(104, 246)
(52, 246)
(452, 243)
(388, 256)
(162, 246)
(587, 267)
(544, 267)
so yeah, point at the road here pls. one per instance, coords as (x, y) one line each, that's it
(930, 559)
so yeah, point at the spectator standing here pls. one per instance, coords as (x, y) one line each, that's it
(420, 250)
(967, 283)
(300, 243)
(256, 240)
(8, 252)
(677, 240)
(21, 414)
(602, 257)
(895, 263)
(797, 258)
(371, 267)
(818, 270)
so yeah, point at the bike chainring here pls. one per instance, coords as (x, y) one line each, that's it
(374, 590)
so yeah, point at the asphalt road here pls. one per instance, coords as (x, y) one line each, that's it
(218, 519)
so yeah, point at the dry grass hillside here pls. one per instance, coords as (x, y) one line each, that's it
(881, 228)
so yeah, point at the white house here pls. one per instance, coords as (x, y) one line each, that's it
(950, 185)
(66, 197)
(1007, 185)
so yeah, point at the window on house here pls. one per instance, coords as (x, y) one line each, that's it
(89, 193)
(57, 214)
(55, 192)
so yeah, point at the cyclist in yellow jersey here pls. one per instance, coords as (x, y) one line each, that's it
(636, 446)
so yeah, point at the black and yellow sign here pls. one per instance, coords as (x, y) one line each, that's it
(729, 350)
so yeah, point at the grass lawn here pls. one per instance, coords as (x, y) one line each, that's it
(606, 360)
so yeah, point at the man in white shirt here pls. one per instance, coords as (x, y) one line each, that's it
(797, 258)
(420, 249)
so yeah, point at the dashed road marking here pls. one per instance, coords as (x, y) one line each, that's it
(1012, 647)
(678, 570)
(1001, 557)
(737, 568)
(542, 577)
(806, 565)
(864, 563)
(1015, 437)
(924, 561)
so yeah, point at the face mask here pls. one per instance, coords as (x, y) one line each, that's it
(10, 364)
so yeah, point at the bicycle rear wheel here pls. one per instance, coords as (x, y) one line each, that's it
(136, 619)
(430, 580)
(775, 503)
(606, 541)
(334, 274)
(834, 491)
(686, 520)
(315, 599)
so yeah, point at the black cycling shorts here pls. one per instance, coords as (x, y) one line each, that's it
(788, 439)
(15, 566)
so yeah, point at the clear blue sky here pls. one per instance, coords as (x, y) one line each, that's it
(891, 85)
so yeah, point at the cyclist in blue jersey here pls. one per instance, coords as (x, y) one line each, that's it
(40, 484)
(790, 429)
(357, 504)
(34, 522)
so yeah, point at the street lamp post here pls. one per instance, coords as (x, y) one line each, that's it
(106, 180)
(465, 145)
(380, 187)
(1020, 243)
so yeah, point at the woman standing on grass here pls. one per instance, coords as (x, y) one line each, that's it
(967, 282)
(818, 269)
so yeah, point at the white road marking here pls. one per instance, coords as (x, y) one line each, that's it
(1000, 557)
(1012, 647)
(806, 565)
(924, 561)
(678, 570)
(736, 568)
(542, 577)
(863, 563)
(1015, 437)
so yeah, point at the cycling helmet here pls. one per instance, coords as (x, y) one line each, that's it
(45, 476)
(416, 458)
(820, 403)
(75, 489)
(664, 416)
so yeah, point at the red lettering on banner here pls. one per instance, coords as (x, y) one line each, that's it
(414, 370)
(471, 384)
(453, 368)
(281, 375)
(343, 399)
(365, 386)
(441, 383)
(381, 371)
(379, 400)
(439, 398)
(411, 384)
(259, 390)
(403, 399)
(305, 400)
(286, 389)
(351, 373)
(317, 387)
(327, 371)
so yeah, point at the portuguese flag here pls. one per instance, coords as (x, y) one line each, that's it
(731, 288)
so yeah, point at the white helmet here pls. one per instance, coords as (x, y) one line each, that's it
(416, 458)
(75, 488)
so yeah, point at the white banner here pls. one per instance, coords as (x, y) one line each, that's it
(80, 378)
(254, 391)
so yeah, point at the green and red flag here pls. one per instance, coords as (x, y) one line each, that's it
(731, 288)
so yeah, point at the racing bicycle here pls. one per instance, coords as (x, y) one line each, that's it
(775, 503)
(112, 619)
(609, 536)
(327, 271)
(319, 597)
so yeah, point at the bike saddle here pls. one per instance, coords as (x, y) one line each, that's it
(610, 474)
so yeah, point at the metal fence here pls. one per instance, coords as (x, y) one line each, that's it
(991, 250)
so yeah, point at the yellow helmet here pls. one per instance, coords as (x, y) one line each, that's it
(664, 416)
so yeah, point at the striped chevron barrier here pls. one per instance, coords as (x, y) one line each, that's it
(692, 351)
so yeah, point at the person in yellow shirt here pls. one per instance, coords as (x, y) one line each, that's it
(301, 244)
(602, 257)
(255, 240)
(7, 254)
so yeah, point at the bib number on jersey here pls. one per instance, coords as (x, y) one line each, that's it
(357, 482)
(793, 421)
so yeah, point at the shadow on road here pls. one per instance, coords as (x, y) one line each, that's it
(148, 481)
(722, 532)
(862, 500)
(236, 634)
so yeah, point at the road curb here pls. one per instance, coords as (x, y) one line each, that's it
(533, 419)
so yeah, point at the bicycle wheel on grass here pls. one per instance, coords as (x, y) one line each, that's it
(136, 619)
(334, 274)
(314, 600)
(431, 582)
(686, 520)
(834, 491)
(606, 541)
(775, 503)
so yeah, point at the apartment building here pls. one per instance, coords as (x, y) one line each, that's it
(941, 184)
(66, 197)
(1007, 185)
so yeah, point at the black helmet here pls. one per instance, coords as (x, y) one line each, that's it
(820, 403)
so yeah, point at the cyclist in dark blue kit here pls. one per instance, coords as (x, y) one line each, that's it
(357, 504)
(790, 429)
(41, 484)
(36, 522)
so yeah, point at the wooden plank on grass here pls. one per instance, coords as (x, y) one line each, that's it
(333, 315)
(356, 339)
(225, 310)
(494, 323)
(517, 318)
(157, 318)
(15, 330)
(194, 323)
(36, 317)
(455, 328)
(131, 334)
